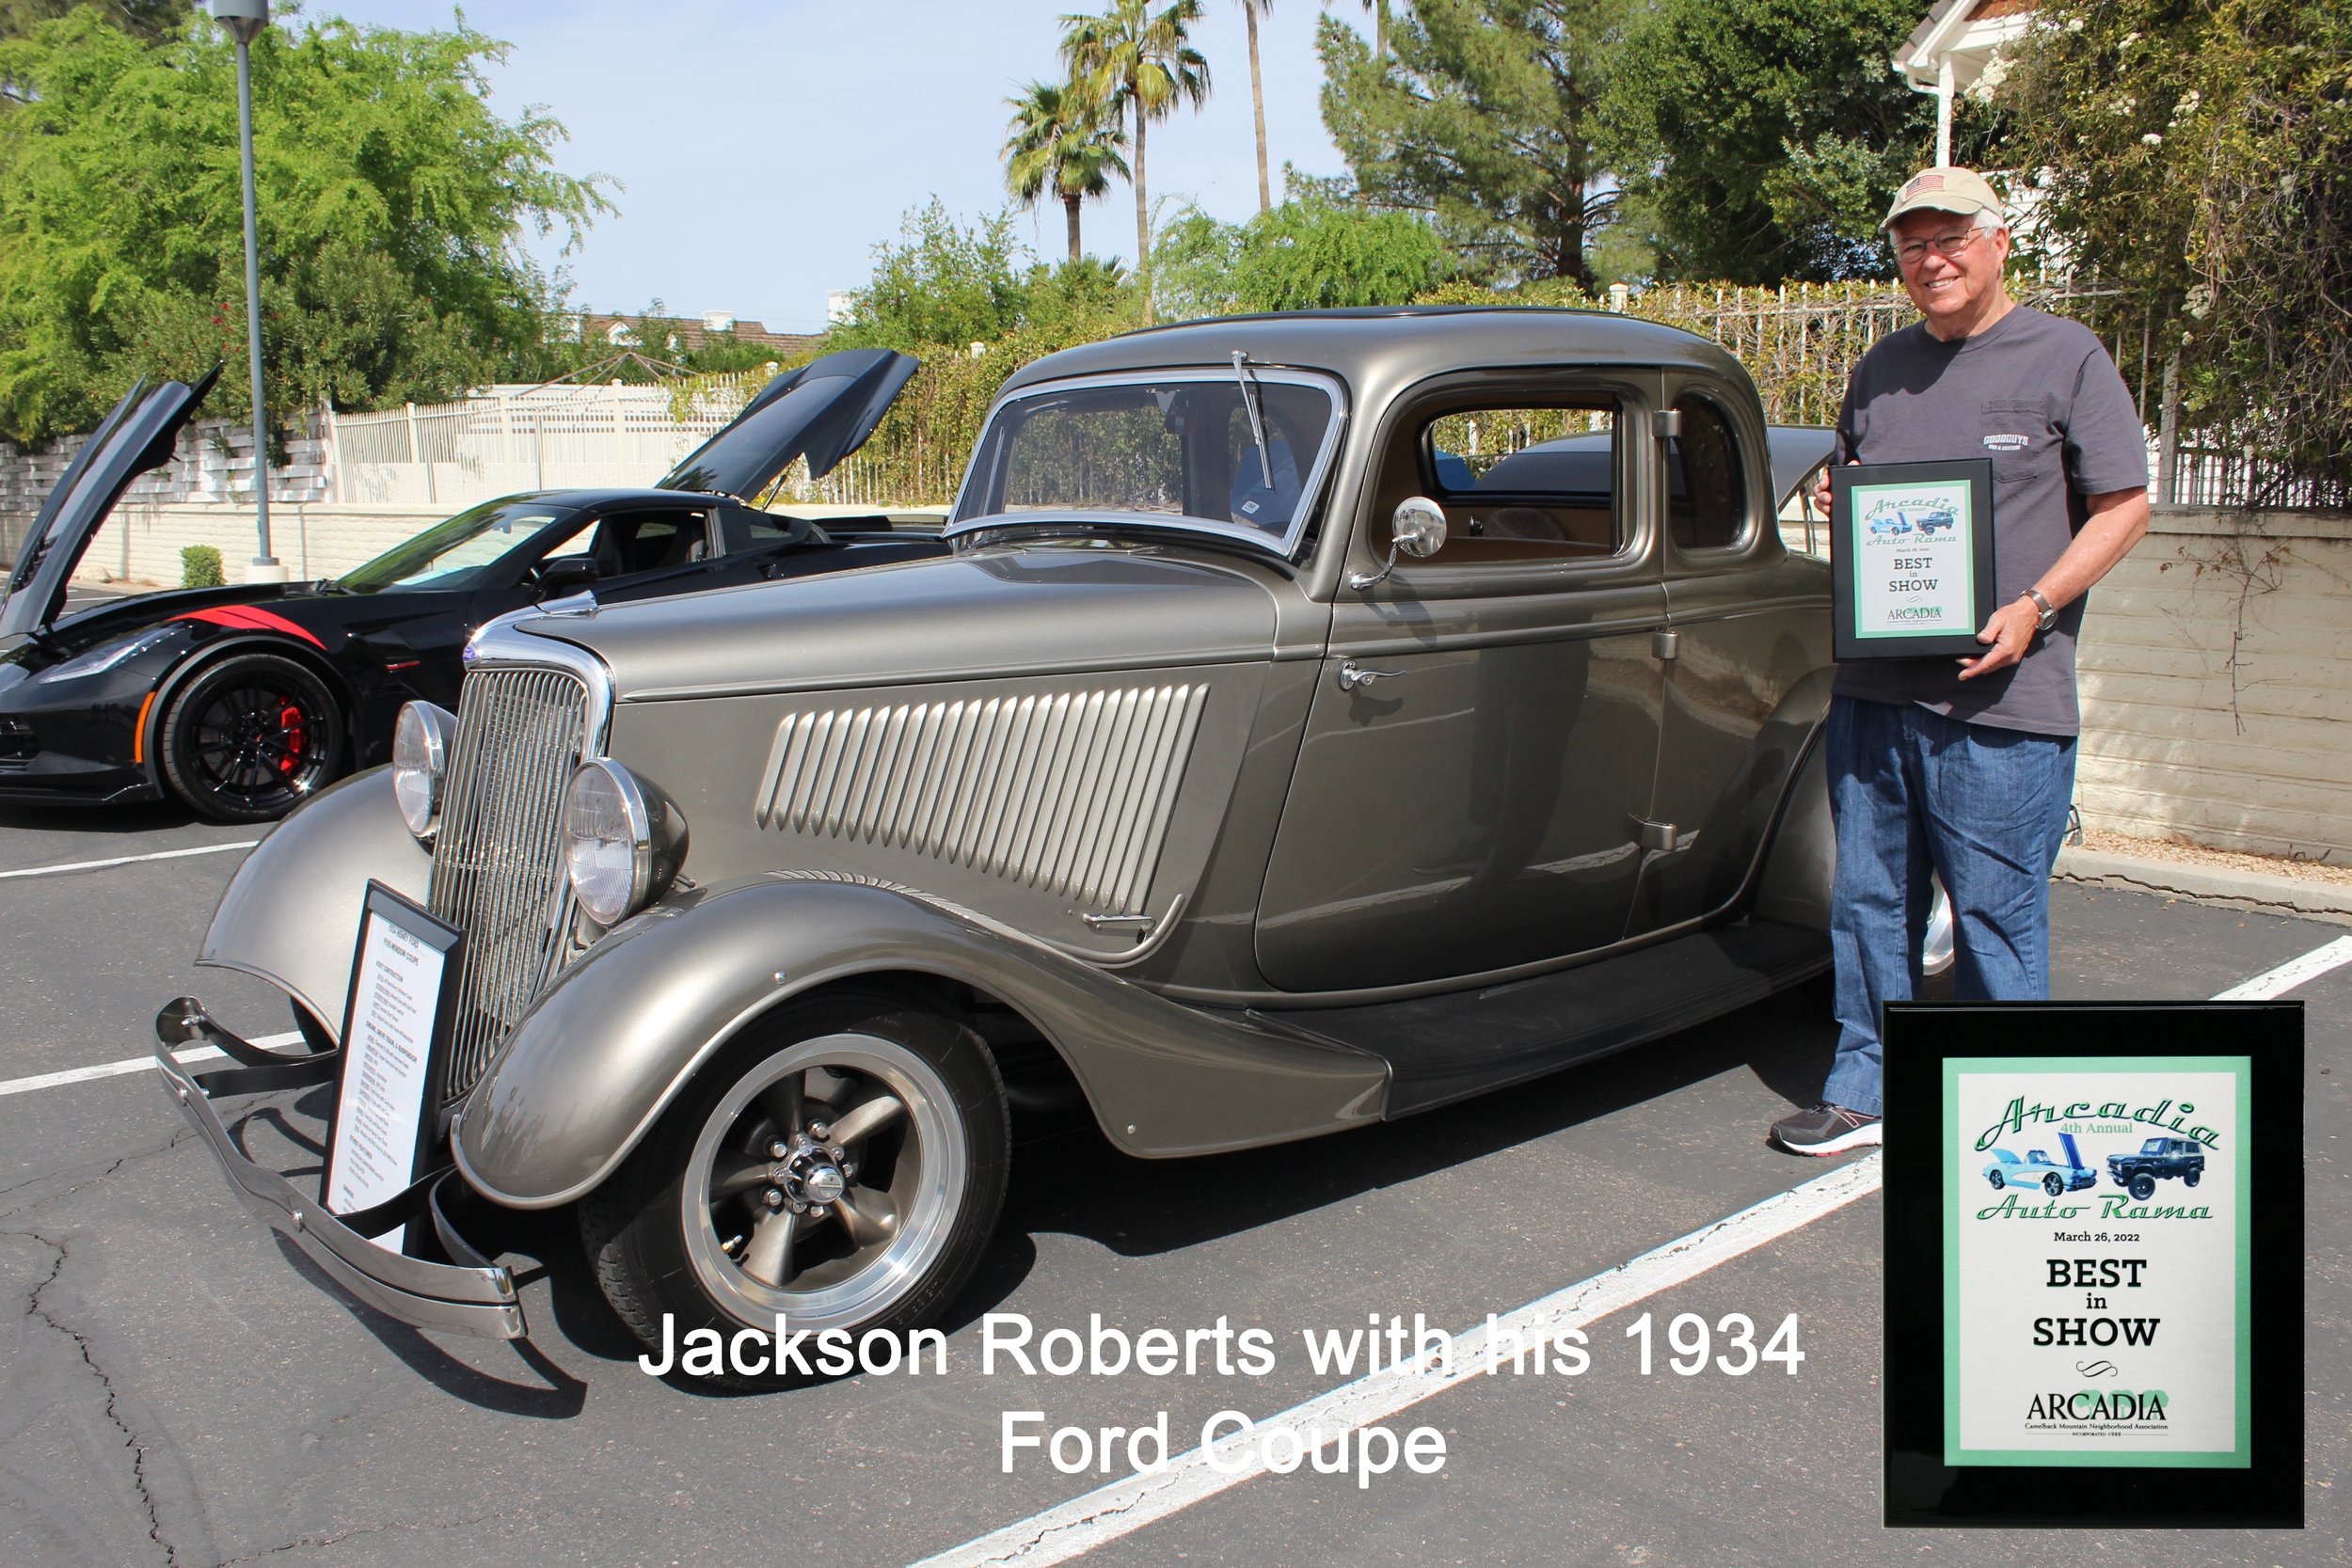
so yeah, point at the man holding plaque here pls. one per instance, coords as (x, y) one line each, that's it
(1964, 767)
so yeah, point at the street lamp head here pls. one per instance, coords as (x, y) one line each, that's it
(244, 19)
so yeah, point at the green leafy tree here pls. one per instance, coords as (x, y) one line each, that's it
(1060, 141)
(1135, 58)
(939, 282)
(147, 19)
(392, 201)
(1308, 254)
(2200, 156)
(1766, 137)
(1481, 117)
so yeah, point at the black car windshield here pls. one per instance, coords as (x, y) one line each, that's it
(460, 553)
(1207, 450)
(2153, 1146)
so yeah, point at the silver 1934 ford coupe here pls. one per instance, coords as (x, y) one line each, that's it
(1321, 718)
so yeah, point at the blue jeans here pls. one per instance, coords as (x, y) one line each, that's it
(1910, 791)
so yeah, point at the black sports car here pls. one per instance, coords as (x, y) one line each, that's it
(244, 700)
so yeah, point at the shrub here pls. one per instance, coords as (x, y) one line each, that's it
(199, 567)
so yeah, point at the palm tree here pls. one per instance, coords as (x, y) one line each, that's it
(1132, 57)
(1060, 139)
(1250, 9)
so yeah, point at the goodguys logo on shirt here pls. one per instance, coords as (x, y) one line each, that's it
(2006, 443)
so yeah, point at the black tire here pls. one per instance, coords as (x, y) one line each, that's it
(2190, 1179)
(2143, 1186)
(250, 738)
(888, 1256)
(1994, 1176)
(2054, 1184)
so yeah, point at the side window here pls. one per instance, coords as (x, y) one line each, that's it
(631, 541)
(1706, 491)
(1535, 481)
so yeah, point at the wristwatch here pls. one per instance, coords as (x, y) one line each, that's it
(2045, 613)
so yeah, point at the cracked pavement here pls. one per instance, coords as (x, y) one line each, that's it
(179, 1387)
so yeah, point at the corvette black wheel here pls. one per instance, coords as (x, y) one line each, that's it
(2055, 1187)
(250, 738)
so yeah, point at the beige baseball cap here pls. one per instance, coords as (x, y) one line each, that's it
(1944, 189)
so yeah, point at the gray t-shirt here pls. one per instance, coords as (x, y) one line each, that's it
(2038, 395)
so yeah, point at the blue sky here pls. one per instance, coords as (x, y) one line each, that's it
(767, 144)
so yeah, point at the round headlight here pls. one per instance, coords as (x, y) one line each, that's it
(608, 841)
(421, 742)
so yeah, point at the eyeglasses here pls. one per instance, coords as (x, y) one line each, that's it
(1912, 252)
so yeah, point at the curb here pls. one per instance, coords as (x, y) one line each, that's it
(2243, 889)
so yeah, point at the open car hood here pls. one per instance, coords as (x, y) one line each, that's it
(138, 436)
(823, 411)
(1797, 450)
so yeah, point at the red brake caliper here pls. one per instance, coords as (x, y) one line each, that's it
(290, 726)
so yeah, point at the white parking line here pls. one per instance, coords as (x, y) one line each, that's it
(2288, 976)
(129, 1065)
(130, 859)
(1108, 1512)
(1078, 1527)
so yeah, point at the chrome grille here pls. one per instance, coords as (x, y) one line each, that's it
(497, 859)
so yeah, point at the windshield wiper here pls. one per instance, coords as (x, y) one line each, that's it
(1257, 425)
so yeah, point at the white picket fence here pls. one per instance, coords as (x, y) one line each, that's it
(512, 438)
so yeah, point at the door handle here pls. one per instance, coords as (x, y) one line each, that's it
(1352, 675)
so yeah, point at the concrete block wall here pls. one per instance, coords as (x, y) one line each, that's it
(2216, 703)
(140, 544)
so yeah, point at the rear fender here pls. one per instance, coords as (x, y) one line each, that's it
(1794, 886)
(593, 1064)
(292, 911)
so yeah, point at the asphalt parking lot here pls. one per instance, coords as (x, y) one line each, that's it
(177, 1387)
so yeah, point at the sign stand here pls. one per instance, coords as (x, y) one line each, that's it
(396, 1038)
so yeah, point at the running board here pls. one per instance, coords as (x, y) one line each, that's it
(1440, 1048)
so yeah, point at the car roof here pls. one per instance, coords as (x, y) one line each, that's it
(1393, 345)
(589, 500)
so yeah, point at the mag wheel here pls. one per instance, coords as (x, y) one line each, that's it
(2144, 1187)
(2054, 1186)
(250, 738)
(842, 1167)
(1994, 1176)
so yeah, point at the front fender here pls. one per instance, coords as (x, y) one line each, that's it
(292, 911)
(593, 1064)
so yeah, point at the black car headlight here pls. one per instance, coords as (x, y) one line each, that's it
(623, 841)
(420, 746)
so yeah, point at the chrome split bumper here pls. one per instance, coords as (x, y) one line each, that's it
(471, 1296)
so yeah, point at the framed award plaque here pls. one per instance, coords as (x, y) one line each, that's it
(2094, 1265)
(1911, 558)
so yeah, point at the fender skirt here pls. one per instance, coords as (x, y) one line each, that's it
(601, 1054)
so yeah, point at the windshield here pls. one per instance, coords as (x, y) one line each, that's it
(2153, 1146)
(1181, 451)
(455, 554)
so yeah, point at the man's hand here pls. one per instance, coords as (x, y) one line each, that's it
(2012, 628)
(1820, 487)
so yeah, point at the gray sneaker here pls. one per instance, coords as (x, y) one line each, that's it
(1826, 1129)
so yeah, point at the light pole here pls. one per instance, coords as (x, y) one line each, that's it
(244, 20)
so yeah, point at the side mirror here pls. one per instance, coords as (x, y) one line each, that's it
(1417, 528)
(567, 574)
